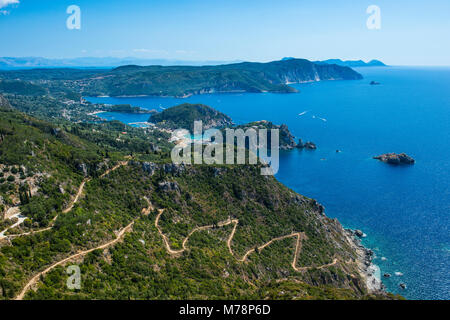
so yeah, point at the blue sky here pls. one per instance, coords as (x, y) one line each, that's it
(412, 32)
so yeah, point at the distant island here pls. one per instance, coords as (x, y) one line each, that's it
(96, 62)
(183, 81)
(352, 63)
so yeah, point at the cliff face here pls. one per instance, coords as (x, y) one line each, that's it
(301, 70)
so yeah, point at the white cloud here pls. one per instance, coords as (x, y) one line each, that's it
(152, 51)
(5, 3)
(185, 52)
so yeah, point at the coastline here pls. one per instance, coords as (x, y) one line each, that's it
(188, 95)
(369, 271)
(216, 91)
(94, 113)
(416, 272)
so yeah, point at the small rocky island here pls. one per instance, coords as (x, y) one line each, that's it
(307, 145)
(394, 158)
(374, 83)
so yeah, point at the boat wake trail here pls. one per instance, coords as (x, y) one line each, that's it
(323, 119)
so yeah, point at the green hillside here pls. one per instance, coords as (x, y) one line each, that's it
(140, 267)
(184, 115)
(186, 80)
(141, 227)
(21, 88)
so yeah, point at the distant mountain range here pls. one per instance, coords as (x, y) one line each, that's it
(111, 62)
(353, 63)
(181, 81)
(94, 62)
(347, 63)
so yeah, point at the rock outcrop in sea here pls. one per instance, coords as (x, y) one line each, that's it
(307, 145)
(394, 158)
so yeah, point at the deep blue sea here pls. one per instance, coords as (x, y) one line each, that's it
(404, 210)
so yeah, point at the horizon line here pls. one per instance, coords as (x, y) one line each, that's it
(222, 61)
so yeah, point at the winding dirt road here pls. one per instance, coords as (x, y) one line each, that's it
(36, 278)
(166, 240)
(20, 219)
(71, 204)
(299, 235)
(120, 234)
(117, 166)
(77, 197)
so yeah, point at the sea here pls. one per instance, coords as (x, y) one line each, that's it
(403, 210)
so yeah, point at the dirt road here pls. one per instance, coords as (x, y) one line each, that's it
(33, 281)
(299, 235)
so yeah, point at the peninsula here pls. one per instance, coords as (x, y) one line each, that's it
(183, 81)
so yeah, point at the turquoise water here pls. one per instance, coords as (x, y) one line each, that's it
(404, 211)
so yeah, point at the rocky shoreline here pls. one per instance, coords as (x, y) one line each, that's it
(369, 271)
